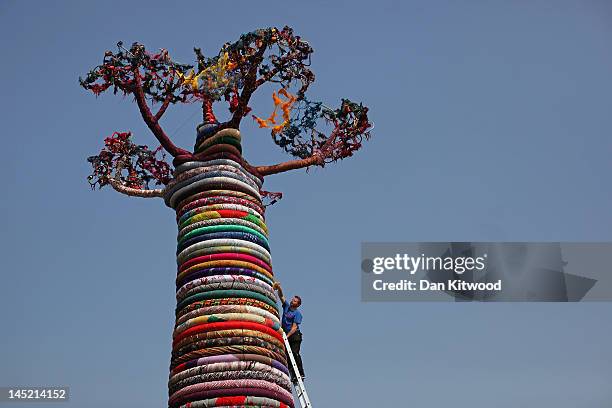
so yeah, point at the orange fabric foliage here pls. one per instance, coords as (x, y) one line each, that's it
(284, 105)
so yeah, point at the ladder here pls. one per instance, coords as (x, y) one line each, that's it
(300, 389)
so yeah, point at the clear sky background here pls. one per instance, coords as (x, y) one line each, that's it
(493, 122)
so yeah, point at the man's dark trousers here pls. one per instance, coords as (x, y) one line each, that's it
(295, 342)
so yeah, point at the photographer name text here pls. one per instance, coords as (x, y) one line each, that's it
(426, 285)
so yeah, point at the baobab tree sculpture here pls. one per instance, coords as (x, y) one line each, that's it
(227, 346)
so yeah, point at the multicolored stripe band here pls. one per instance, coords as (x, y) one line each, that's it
(227, 346)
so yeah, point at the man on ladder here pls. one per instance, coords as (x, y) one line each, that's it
(292, 318)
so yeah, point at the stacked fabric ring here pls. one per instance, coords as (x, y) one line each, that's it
(227, 348)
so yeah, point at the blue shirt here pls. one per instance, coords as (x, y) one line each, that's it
(290, 316)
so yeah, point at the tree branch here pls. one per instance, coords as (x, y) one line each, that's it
(152, 121)
(262, 80)
(314, 160)
(208, 114)
(251, 169)
(134, 192)
(115, 182)
(329, 143)
(281, 65)
(250, 85)
(164, 106)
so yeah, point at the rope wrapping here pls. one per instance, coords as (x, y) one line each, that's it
(227, 346)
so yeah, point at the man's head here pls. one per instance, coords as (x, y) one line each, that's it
(295, 302)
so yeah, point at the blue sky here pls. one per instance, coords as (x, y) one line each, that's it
(492, 123)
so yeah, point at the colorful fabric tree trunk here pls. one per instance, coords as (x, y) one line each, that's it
(227, 347)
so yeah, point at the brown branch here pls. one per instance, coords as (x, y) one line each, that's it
(164, 106)
(314, 160)
(317, 159)
(250, 86)
(262, 80)
(251, 169)
(170, 93)
(152, 121)
(327, 146)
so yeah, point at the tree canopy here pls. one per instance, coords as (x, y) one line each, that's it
(311, 132)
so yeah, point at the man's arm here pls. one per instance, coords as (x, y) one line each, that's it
(278, 288)
(294, 328)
